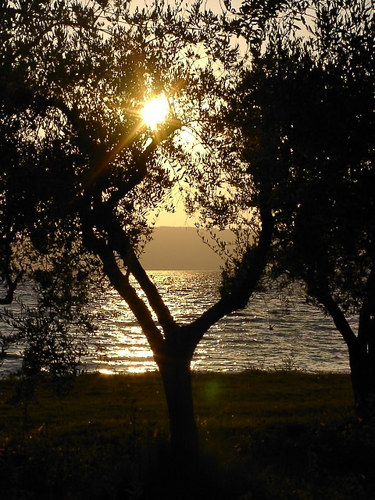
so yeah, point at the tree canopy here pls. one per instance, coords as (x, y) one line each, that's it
(82, 172)
(284, 158)
(306, 110)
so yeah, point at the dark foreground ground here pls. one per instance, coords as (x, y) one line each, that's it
(279, 435)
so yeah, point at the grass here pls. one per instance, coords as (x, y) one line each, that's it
(264, 435)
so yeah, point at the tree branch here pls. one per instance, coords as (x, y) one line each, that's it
(121, 283)
(154, 298)
(12, 285)
(120, 242)
(341, 323)
(243, 284)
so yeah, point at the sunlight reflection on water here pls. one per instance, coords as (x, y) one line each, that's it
(274, 331)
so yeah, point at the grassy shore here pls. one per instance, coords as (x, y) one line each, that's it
(264, 435)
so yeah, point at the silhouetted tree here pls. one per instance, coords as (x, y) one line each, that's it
(81, 172)
(306, 110)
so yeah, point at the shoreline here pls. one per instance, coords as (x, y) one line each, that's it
(265, 371)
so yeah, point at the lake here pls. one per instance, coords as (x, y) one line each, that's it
(276, 330)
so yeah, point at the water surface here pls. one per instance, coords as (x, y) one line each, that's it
(275, 330)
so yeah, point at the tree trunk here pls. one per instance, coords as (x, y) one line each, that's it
(362, 378)
(358, 375)
(176, 376)
(361, 348)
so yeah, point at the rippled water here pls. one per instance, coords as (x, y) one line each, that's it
(274, 331)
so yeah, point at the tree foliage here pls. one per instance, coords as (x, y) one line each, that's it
(306, 110)
(82, 173)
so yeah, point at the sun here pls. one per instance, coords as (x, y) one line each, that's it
(155, 111)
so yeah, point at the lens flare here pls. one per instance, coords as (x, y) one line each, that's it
(155, 111)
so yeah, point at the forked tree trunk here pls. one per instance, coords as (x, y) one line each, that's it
(172, 352)
(172, 344)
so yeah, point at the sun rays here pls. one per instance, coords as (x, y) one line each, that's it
(155, 111)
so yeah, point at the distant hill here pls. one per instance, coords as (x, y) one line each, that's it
(179, 248)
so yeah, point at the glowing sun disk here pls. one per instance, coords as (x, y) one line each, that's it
(155, 111)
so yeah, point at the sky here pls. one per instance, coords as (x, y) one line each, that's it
(179, 217)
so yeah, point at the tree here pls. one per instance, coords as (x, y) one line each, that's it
(33, 38)
(306, 110)
(83, 171)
